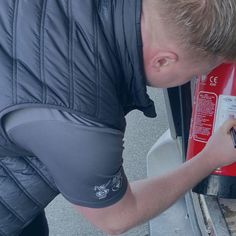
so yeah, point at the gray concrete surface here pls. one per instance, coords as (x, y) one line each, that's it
(141, 134)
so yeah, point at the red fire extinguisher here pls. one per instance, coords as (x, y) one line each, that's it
(214, 101)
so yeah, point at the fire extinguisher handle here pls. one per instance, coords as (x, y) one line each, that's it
(233, 136)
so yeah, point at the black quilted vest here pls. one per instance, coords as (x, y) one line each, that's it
(82, 56)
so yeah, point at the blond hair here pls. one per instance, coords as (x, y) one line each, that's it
(208, 26)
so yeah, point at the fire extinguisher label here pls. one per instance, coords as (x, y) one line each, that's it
(226, 107)
(204, 116)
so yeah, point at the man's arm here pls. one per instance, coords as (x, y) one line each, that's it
(147, 198)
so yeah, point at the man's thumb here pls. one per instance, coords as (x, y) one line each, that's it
(228, 124)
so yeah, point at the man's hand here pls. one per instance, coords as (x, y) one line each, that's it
(220, 149)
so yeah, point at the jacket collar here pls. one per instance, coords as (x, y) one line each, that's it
(127, 25)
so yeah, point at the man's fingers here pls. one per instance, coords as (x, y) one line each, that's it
(228, 124)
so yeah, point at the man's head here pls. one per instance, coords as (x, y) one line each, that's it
(182, 38)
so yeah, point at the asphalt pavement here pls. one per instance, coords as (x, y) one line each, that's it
(141, 134)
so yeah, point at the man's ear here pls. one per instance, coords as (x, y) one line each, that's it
(162, 59)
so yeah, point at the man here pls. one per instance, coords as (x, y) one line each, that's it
(71, 71)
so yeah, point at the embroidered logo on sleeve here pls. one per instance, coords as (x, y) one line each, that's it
(101, 191)
(114, 184)
(117, 182)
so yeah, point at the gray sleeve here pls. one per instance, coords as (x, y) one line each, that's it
(85, 162)
(96, 179)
